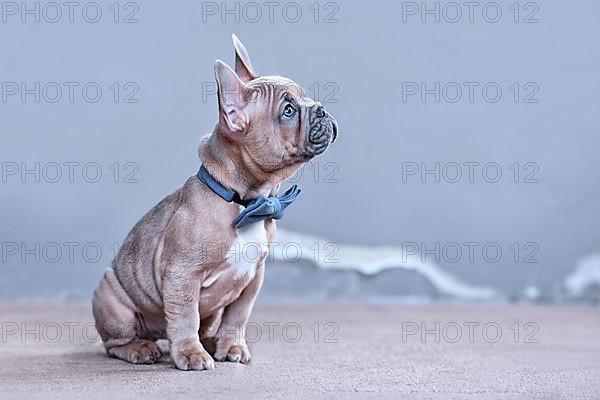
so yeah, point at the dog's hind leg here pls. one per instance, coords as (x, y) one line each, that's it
(118, 325)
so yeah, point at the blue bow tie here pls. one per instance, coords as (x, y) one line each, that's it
(257, 209)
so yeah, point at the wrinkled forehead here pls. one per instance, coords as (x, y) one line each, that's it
(274, 87)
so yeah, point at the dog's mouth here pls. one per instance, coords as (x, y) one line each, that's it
(323, 130)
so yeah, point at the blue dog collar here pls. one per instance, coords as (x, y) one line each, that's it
(256, 210)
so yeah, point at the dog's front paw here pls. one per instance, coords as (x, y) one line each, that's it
(191, 356)
(238, 352)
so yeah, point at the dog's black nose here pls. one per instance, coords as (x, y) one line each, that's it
(320, 111)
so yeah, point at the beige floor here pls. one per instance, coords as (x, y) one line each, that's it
(360, 352)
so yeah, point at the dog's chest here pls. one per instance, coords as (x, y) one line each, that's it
(249, 248)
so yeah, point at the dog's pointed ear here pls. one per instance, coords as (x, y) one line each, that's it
(231, 93)
(243, 66)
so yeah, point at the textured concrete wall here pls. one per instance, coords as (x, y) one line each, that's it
(477, 132)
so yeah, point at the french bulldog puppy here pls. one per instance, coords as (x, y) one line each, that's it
(183, 272)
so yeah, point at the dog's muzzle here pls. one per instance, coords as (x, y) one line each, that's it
(323, 130)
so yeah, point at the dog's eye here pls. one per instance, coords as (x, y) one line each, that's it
(288, 111)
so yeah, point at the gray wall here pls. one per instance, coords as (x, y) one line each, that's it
(364, 66)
